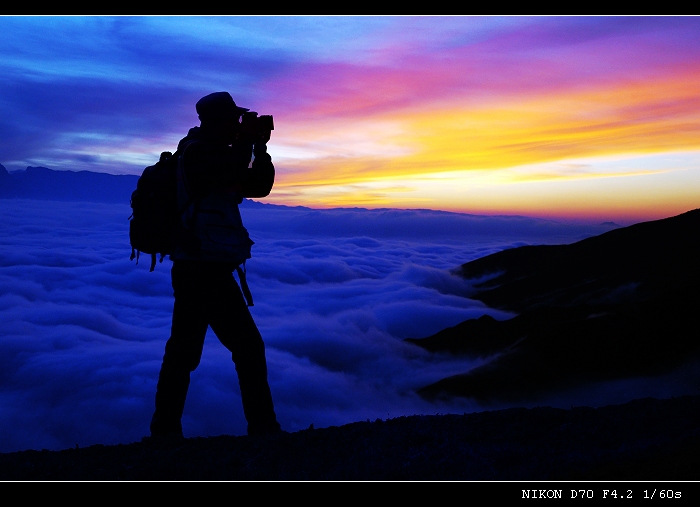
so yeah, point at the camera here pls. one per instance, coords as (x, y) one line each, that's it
(257, 126)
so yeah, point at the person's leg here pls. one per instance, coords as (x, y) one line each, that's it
(183, 352)
(233, 324)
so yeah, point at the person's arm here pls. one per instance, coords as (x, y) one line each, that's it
(210, 166)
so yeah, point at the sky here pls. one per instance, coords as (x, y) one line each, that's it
(84, 329)
(590, 118)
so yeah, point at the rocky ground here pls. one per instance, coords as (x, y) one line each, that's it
(645, 439)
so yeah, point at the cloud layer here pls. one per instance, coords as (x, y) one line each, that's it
(336, 292)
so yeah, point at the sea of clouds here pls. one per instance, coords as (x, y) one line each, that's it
(336, 292)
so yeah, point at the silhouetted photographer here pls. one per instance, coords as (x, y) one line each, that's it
(214, 174)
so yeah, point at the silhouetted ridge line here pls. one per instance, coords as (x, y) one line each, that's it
(617, 305)
(657, 255)
(46, 184)
(642, 440)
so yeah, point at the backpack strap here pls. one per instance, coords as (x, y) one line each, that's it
(244, 284)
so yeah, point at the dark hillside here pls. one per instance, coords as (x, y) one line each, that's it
(632, 262)
(614, 306)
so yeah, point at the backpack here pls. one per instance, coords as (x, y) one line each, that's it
(154, 217)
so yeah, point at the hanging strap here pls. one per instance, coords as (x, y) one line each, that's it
(244, 285)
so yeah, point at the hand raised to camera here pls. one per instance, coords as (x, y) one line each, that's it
(255, 129)
(248, 130)
(263, 137)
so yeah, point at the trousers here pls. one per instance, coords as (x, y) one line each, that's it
(206, 294)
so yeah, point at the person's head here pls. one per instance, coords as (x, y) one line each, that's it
(219, 116)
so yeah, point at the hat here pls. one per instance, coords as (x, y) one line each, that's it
(219, 105)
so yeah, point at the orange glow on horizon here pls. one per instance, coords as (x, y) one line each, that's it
(374, 161)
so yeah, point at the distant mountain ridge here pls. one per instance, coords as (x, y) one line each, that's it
(41, 183)
(46, 184)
